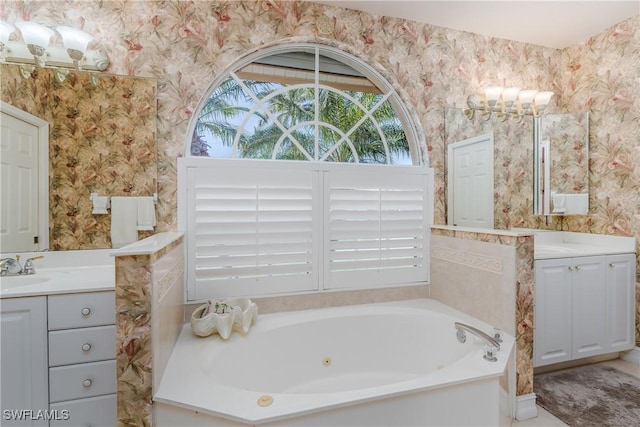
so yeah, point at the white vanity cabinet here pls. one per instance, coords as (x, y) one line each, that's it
(621, 297)
(82, 366)
(584, 306)
(24, 381)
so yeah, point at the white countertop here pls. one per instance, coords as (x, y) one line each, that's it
(148, 245)
(516, 232)
(570, 250)
(565, 244)
(61, 272)
(49, 281)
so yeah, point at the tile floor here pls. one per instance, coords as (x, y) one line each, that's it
(545, 419)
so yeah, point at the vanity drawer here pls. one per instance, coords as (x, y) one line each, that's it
(94, 411)
(82, 345)
(80, 381)
(81, 310)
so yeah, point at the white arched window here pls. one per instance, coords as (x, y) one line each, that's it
(299, 178)
(306, 103)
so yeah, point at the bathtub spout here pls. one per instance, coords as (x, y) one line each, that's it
(493, 344)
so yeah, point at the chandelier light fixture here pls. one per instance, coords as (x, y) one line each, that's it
(507, 102)
(31, 45)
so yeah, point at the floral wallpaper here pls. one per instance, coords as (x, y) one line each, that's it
(185, 45)
(102, 139)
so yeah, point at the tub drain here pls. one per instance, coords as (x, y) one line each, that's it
(265, 400)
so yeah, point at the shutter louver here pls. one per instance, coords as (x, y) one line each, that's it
(260, 228)
(253, 230)
(377, 229)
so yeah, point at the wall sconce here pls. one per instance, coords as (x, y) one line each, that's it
(508, 102)
(34, 47)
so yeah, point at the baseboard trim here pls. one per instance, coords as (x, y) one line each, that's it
(526, 407)
(632, 356)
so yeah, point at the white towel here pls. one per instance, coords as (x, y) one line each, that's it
(124, 221)
(577, 204)
(100, 204)
(559, 201)
(146, 213)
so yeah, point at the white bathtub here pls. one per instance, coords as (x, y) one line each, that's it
(381, 364)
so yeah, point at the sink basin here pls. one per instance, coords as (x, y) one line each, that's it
(10, 282)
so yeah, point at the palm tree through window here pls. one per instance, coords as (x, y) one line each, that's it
(303, 104)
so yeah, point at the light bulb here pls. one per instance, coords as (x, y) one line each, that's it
(76, 42)
(492, 94)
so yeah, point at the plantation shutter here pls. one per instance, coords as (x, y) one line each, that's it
(253, 230)
(257, 228)
(377, 227)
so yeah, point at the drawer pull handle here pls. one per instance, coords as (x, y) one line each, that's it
(86, 347)
(85, 311)
(87, 383)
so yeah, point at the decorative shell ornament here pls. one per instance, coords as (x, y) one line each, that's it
(223, 317)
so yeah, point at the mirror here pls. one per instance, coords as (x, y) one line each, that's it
(561, 164)
(102, 139)
(512, 156)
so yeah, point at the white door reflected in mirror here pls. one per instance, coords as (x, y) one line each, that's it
(24, 214)
(470, 177)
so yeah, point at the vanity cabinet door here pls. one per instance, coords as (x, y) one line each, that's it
(552, 315)
(23, 376)
(589, 318)
(621, 275)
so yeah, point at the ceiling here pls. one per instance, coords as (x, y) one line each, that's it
(555, 24)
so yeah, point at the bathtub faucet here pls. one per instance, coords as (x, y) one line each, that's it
(492, 344)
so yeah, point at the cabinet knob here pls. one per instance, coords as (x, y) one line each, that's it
(86, 347)
(87, 383)
(577, 267)
(85, 311)
(610, 265)
(570, 268)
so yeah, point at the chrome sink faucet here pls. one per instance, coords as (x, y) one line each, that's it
(29, 267)
(12, 267)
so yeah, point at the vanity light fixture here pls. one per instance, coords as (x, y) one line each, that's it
(508, 102)
(35, 44)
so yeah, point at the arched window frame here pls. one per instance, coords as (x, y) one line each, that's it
(418, 154)
(393, 203)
